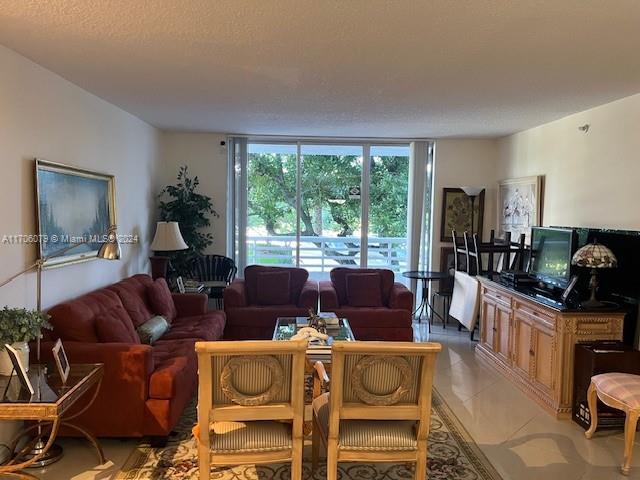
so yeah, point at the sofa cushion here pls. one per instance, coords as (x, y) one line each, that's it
(115, 326)
(207, 327)
(75, 320)
(273, 288)
(297, 279)
(133, 295)
(338, 278)
(153, 329)
(364, 290)
(175, 367)
(161, 300)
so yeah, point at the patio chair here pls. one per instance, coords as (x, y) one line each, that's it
(216, 272)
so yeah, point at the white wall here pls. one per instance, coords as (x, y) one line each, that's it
(207, 159)
(592, 178)
(43, 115)
(463, 162)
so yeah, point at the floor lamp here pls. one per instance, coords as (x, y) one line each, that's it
(472, 193)
(109, 250)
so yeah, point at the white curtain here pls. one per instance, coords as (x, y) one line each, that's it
(236, 200)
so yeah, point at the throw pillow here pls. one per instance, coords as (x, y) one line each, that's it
(161, 300)
(115, 326)
(273, 288)
(151, 330)
(364, 290)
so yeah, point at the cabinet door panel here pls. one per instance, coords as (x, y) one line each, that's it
(503, 340)
(522, 345)
(544, 357)
(488, 324)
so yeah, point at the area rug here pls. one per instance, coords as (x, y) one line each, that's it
(453, 455)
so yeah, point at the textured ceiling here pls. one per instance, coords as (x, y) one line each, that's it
(378, 68)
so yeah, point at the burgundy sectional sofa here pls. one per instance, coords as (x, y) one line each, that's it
(253, 304)
(145, 387)
(377, 307)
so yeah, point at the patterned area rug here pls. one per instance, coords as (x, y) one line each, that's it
(453, 455)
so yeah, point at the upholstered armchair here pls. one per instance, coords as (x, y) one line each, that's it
(253, 304)
(250, 404)
(379, 407)
(377, 307)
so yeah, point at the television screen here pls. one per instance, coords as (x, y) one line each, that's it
(551, 250)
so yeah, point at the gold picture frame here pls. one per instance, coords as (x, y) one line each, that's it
(74, 206)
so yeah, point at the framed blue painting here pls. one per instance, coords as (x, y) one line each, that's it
(75, 210)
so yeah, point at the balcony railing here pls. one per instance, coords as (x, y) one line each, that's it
(319, 255)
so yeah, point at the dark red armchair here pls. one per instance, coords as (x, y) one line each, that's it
(376, 306)
(253, 304)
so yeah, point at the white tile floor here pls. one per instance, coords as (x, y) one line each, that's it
(520, 439)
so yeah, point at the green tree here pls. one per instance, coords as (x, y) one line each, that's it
(325, 202)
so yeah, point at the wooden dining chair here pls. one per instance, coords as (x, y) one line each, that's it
(379, 406)
(250, 404)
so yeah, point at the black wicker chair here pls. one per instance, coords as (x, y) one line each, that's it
(216, 272)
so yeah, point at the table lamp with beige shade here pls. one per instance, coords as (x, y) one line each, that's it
(167, 239)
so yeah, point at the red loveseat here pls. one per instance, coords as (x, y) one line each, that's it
(377, 307)
(253, 304)
(145, 388)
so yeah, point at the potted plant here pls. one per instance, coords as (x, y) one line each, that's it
(191, 210)
(18, 326)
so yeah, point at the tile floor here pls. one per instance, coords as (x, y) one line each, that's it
(521, 440)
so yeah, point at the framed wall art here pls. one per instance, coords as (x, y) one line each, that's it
(456, 213)
(519, 206)
(74, 207)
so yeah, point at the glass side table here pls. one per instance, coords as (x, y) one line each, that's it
(48, 406)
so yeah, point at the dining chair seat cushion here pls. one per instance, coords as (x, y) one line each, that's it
(367, 435)
(624, 387)
(250, 437)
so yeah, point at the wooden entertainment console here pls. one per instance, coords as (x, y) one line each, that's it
(532, 342)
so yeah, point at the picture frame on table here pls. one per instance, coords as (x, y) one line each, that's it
(456, 213)
(62, 362)
(19, 368)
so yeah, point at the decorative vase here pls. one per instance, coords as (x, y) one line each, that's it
(6, 366)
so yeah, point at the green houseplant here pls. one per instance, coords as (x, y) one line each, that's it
(183, 204)
(17, 327)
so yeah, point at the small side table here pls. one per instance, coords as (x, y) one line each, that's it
(47, 406)
(426, 276)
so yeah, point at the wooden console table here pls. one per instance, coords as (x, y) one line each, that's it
(533, 343)
(47, 406)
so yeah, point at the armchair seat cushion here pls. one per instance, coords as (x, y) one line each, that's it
(206, 327)
(624, 387)
(367, 435)
(250, 437)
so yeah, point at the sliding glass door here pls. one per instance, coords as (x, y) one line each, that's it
(321, 206)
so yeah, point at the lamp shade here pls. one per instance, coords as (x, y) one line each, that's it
(594, 255)
(168, 238)
(472, 191)
(110, 250)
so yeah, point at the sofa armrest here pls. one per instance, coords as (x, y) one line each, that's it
(127, 367)
(309, 295)
(190, 304)
(235, 295)
(328, 297)
(401, 297)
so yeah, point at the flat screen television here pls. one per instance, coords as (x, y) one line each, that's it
(551, 252)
